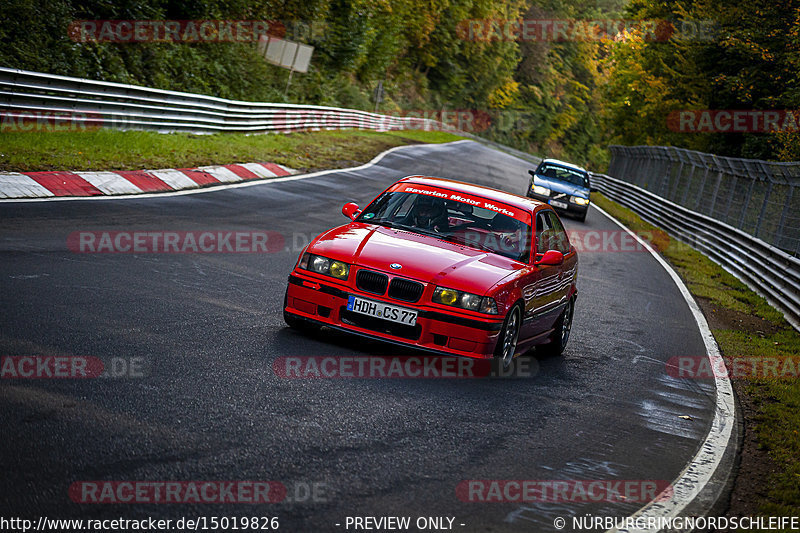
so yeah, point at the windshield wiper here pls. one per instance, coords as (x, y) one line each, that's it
(448, 237)
(394, 225)
(414, 229)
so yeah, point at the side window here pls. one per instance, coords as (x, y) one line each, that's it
(542, 233)
(559, 240)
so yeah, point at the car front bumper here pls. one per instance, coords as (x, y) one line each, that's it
(572, 208)
(448, 333)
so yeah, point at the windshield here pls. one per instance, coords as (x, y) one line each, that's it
(453, 221)
(555, 172)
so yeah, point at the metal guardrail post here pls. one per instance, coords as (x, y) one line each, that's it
(688, 185)
(702, 187)
(660, 175)
(779, 230)
(763, 211)
(675, 187)
(731, 194)
(747, 197)
(716, 192)
(641, 178)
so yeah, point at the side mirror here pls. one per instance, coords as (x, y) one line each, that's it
(532, 172)
(350, 210)
(551, 258)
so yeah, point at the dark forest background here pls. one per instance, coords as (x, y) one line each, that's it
(564, 99)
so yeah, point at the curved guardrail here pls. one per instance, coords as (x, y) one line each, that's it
(122, 106)
(35, 96)
(766, 269)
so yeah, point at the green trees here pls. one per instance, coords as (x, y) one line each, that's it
(566, 98)
(748, 60)
(560, 101)
(411, 44)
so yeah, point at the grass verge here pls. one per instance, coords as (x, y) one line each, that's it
(745, 327)
(135, 150)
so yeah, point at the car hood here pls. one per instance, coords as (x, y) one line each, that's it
(422, 257)
(561, 186)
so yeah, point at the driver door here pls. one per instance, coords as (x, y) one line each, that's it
(540, 291)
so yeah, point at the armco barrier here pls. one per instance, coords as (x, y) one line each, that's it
(131, 107)
(764, 268)
(29, 97)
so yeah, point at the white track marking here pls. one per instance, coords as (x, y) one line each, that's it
(287, 169)
(694, 478)
(174, 178)
(259, 170)
(110, 182)
(221, 173)
(16, 184)
(252, 183)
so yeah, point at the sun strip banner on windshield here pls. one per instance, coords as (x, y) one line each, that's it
(475, 201)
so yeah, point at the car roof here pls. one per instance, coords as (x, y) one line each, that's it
(478, 190)
(563, 164)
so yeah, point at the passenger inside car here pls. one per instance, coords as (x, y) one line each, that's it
(509, 233)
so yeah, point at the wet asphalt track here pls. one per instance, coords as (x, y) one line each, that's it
(209, 327)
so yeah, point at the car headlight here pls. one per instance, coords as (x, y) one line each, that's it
(465, 300)
(323, 265)
(578, 200)
(538, 189)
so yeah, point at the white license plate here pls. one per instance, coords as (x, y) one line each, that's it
(560, 205)
(392, 313)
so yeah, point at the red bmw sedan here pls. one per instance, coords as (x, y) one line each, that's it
(443, 266)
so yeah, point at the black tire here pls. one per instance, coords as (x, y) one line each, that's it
(562, 328)
(509, 335)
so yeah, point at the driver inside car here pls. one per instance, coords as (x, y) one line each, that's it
(429, 214)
